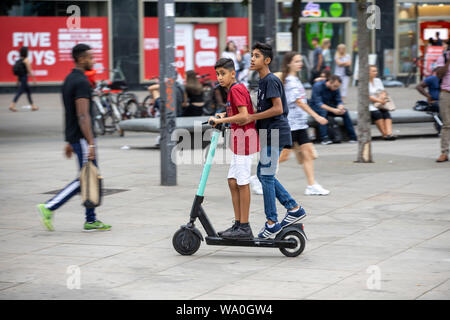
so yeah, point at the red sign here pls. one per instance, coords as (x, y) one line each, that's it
(200, 43)
(50, 42)
(237, 31)
(431, 56)
(180, 60)
(206, 48)
(151, 48)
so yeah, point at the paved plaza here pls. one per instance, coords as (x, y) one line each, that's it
(382, 233)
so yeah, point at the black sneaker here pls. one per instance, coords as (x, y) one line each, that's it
(235, 225)
(240, 233)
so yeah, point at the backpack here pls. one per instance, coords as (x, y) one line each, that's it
(19, 68)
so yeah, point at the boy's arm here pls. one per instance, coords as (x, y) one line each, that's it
(275, 110)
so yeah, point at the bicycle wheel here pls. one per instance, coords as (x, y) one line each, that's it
(132, 109)
(99, 125)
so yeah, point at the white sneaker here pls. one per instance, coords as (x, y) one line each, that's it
(316, 190)
(256, 185)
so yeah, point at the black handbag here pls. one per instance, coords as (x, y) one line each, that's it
(348, 71)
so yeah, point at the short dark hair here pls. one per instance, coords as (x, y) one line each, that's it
(225, 63)
(24, 52)
(79, 50)
(334, 78)
(315, 39)
(266, 49)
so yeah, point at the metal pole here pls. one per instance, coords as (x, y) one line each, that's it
(167, 76)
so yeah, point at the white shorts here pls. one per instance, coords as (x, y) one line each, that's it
(240, 169)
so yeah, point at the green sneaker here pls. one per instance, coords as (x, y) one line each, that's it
(96, 226)
(46, 216)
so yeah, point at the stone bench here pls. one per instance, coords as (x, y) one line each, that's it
(187, 123)
(183, 123)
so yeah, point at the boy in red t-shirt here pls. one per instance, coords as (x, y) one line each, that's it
(244, 143)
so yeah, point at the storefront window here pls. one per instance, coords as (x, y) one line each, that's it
(418, 21)
(53, 8)
(407, 45)
(406, 10)
(315, 9)
(434, 9)
(200, 9)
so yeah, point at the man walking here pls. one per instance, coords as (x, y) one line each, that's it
(79, 135)
(317, 60)
(443, 72)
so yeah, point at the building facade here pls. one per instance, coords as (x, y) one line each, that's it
(124, 33)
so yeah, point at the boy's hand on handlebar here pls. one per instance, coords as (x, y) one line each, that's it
(212, 121)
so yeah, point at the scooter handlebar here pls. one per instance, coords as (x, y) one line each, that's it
(219, 126)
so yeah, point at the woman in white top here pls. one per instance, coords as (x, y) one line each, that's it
(342, 60)
(381, 117)
(232, 53)
(298, 121)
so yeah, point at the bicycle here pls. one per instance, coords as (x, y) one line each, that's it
(107, 114)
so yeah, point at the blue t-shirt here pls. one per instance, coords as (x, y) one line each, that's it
(433, 86)
(271, 87)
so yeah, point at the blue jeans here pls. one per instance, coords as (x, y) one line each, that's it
(81, 150)
(272, 188)
(323, 129)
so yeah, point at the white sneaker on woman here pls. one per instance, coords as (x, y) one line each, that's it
(316, 190)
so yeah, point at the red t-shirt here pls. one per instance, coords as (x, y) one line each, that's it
(244, 139)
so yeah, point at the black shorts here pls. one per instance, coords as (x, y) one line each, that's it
(380, 114)
(300, 137)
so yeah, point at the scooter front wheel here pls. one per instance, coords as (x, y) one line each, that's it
(300, 242)
(186, 242)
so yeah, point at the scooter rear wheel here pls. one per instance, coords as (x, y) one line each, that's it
(300, 241)
(185, 242)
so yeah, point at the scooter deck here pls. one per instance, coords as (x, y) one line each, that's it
(255, 242)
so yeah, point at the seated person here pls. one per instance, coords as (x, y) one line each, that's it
(154, 91)
(324, 75)
(194, 94)
(380, 116)
(433, 84)
(326, 101)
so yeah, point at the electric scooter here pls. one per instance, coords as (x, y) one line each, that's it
(186, 241)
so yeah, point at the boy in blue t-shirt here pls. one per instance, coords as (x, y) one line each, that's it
(275, 134)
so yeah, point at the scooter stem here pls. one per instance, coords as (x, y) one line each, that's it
(207, 167)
